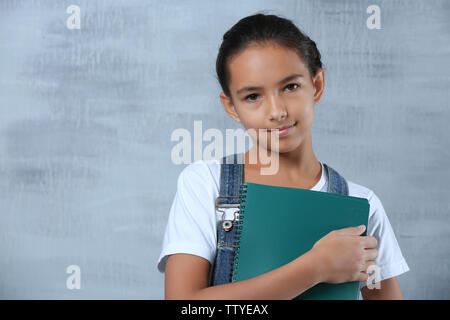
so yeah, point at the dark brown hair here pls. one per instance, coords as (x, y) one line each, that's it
(262, 29)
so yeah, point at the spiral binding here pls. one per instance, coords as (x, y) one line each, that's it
(240, 222)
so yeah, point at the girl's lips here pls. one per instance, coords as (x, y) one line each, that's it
(284, 131)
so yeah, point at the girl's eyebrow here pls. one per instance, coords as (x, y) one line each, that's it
(288, 78)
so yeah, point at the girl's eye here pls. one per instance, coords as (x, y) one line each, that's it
(250, 95)
(256, 95)
(292, 84)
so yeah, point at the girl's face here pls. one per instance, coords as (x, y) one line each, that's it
(271, 88)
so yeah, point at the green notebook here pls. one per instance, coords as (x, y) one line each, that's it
(278, 224)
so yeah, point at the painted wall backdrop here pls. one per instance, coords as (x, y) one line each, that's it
(86, 116)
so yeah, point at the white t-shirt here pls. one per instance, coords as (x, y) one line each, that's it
(192, 222)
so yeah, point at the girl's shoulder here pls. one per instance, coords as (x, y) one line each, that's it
(360, 191)
(201, 172)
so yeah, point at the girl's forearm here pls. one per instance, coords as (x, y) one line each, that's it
(283, 283)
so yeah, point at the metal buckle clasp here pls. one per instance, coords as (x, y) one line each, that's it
(227, 225)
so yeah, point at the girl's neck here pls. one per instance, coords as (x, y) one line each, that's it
(298, 168)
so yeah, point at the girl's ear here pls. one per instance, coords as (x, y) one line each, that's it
(319, 85)
(229, 107)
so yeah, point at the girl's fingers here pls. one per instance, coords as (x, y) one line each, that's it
(370, 254)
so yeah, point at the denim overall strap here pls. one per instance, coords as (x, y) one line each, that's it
(336, 183)
(231, 177)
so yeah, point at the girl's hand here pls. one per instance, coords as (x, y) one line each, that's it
(343, 255)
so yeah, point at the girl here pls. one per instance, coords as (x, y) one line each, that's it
(272, 78)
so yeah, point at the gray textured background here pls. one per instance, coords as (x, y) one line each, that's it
(86, 117)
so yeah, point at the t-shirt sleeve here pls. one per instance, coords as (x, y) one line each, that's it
(191, 225)
(390, 260)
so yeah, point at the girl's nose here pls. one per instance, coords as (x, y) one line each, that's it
(277, 110)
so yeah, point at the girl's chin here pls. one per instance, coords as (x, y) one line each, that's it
(284, 146)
